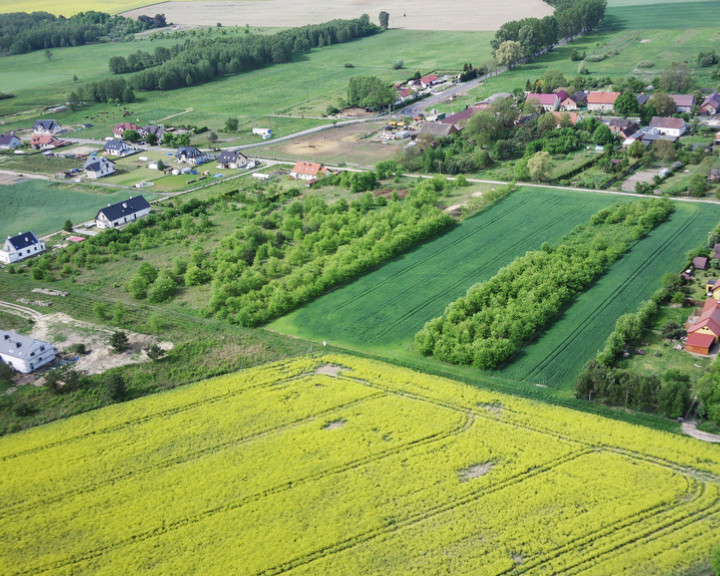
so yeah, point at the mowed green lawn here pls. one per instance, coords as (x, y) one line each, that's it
(381, 312)
(43, 207)
(688, 14)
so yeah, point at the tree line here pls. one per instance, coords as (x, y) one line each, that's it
(203, 60)
(21, 32)
(496, 318)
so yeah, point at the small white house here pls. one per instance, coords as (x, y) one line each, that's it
(190, 155)
(232, 159)
(19, 247)
(24, 354)
(98, 167)
(9, 141)
(117, 215)
(668, 126)
(118, 148)
(46, 127)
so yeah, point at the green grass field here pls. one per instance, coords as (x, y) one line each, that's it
(671, 15)
(341, 465)
(44, 207)
(381, 312)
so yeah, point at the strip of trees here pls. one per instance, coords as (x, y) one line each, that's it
(21, 32)
(496, 318)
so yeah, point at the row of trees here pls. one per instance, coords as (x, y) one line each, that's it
(21, 32)
(495, 318)
(140, 60)
(200, 61)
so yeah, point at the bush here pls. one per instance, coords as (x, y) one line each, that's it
(115, 387)
(162, 290)
(119, 341)
(645, 64)
(154, 352)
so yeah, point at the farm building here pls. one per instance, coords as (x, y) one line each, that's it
(116, 215)
(9, 141)
(98, 167)
(438, 130)
(19, 247)
(118, 148)
(308, 171)
(45, 142)
(674, 127)
(119, 130)
(24, 354)
(191, 155)
(46, 127)
(231, 159)
(549, 102)
(711, 105)
(683, 102)
(700, 263)
(602, 101)
(698, 343)
(574, 101)
(708, 322)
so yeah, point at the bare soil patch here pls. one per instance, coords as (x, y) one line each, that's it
(8, 179)
(410, 14)
(334, 425)
(331, 370)
(475, 471)
(640, 176)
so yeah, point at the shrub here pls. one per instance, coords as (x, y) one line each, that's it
(645, 64)
(119, 341)
(115, 387)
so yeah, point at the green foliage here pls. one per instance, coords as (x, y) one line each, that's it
(708, 387)
(539, 166)
(161, 290)
(602, 135)
(6, 376)
(369, 92)
(715, 561)
(674, 395)
(115, 387)
(627, 105)
(119, 341)
(68, 226)
(231, 124)
(495, 318)
(155, 353)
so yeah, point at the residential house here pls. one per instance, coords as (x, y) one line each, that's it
(642, 99)
(716, 250)
(461, 118)
(158, 130)
(711, 105)
(549, 102)
(623, 127)
(24, 354)
(116, 215)
(668, 126)
(118, 148)
(191, 155)
(714, 177)
(561, 94)
(45, 142)
(19, 247)
(647, 135)
(717, 139)
(429, 80)
(602, 101)
(231, 159)
(98, 167)
(572, 116)
(683, 102)
(46, 127)
(707, 323)
(308, 171)
(9, 141)
(575, 101)
(119, 130)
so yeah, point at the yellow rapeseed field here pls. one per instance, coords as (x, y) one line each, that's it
(339, 465)
(70, 7)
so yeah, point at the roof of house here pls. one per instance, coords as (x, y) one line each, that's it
(40, 139)
(129, 206)
(712, 100)
(683, 99)
(602, 97)
(561, 94)
(154, 129)
(127, 126)
(45, 124)
(544, 99)
(19, 346)
(429, 78)
(188, 152)
(229, 156)
(116, 145)
(700, 262)
(466, 114)
(560, 115)
(405, 92)
(438, 129)
(710, 318)
(579, 97)
(23, 240)
(700, 340)
(308, 168)
(716, 248)
(7, 138)
(96, 164)
(667, 122)
(643, 98)
(615, 122)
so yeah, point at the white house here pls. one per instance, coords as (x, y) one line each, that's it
(191, 155)
(23, 353)
(602, 101)
(266, 133)
(19, 247)
(232, 159)
(116, 215)
(98, 167)
(675, 127)
(549, 102)
(118, 148)
(308, 171)
(46, 127)
(8, 141)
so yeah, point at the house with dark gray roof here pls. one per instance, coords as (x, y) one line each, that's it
(24, 354)
(157, 130)
(9, 141)
(117, 215)
(98, 167)
(118, 148)
(19, 247)
(46, 127)
(711, 105)
(231, 159)
(191, 155)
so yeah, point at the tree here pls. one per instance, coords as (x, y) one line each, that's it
(674, 395)
(100, 310)
(131, 136)
(672, 330)
(627, 104)
(154, 352)
(48, 54)
(676, 78)
(212, 138)
(6, 375)
(664, 150)
(119, 341)
(481, 128)
(539, 166)
(697, 186)
(68, 226)
(384, 19)
(715, 562)
(663, 104)
(151, 139)
(231, 125)
(369, 92)
(115, 387)
(162, 290)
(602, 135)
(636, 149)
(508, 53)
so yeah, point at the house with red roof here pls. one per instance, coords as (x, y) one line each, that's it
(602, 101)
(683, 102)
(45, 142)
(669, 126)
(119, 130)
(704, 330)
(549, 102)
(711, 105)
(575, 101)
(429, 80)
(308, 171)
(572, 116)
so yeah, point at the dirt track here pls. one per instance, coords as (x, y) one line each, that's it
(411, 14)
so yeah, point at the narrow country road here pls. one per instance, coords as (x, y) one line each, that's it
(689, 428)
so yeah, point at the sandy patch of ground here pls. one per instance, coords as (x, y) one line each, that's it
(641, 176)
(331, 370)
(644, 40)
(83, 149)
(475, 471)
(411, 14)
(334, 425)
(8, 179)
